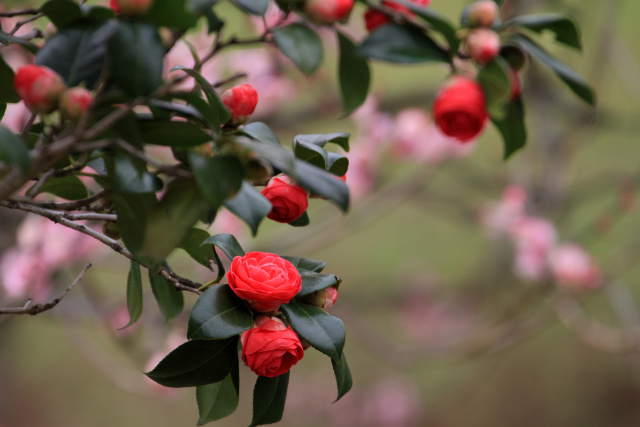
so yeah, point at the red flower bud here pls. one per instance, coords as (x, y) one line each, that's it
(270, 348)
(289, 200)
(459, 109)
(483, 45)
(75, 102)
(374, 18)
(39, 87)
(131, 7)
(483, 13)
(515, 83)
(326, 12)
(241, 101)
(324, 298)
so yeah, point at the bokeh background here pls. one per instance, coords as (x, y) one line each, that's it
(441, 330)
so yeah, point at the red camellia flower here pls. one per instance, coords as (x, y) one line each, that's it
(75, 101)
(374, 18)
(459, 109)
(289, 200)
(39, 87)
(264, 280)
(270, 348)
(483, 45)
(241, 101)
(325, 12)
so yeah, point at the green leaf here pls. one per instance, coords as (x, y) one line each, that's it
(218, 178)
(254, 7)
(343, 376)
(218, 112)
(172, 14)
(303, 221)
(437, 21)
(3, 109)
(171, 219)
(186, 111)
(210, 114)
(315, 282)
(98, 13)
(496, 85)
(269, 397)
(301, 45)
(130, 180)
(192, 244)
(68, 187)
(7, 39)
(563, 26)
(261, 132)
(134, 294)
(570, 77)
(218, 400)
(170, 300)
(321, 139)
(7, 91)
(338, 164)
(324, 332)
(172, 133)
(136, 57)
(353, 75)
(401, 44)
(61, 12)
(227, 243)
(133, 211)
(77, 52)
(512, 127)
(196, 363)
(218, 313)
(306, 264)
(13, 151)
(249, 205)
(309, 148)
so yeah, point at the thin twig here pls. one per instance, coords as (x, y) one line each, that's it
(63, 206)
(19, 13)
(58, 216)
(173, 170)
(40, 308)
(41, 182)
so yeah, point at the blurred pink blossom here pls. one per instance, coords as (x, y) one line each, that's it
(533, 239)
(499, 218)
(394, 402)
(573, 268)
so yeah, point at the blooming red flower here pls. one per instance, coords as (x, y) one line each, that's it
(75, 101)
(264, 280)
(459, 109)
(325, 12)
(241, 102)
(270, 348)
(289, 200)
(39, 87)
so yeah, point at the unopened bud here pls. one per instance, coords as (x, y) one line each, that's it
(327, 12)
(241, 102)
(483, 45)
(39, 87)
(75, 102)
(482, 13)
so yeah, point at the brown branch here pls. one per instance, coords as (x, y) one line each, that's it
(63, 206)
(173, 170)
(19, 13)
(58, 216)
(41, 308)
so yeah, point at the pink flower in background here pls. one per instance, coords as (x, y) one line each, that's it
(573, 267)
(363, 169)
(394, 401)
(533, 239)
(500, 218)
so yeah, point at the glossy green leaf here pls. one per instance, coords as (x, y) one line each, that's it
(437, 21)
(130, 180)
(68, 187)
(218, 313)
(303, 221)
(496, 85)
(401, 44)
(261, 132)
(218, 400)
(354, 76)
(136, 57)
(316, 281)
(254, 7)
(227, 243)
(97, 13)
(321, 139)
(61, 12)
(301, 45)
(323, 331)
(218, 112)
(563, 26)
(170, 300)
(171, 219)
(133, 211)
(134, 294)
(512, 127)
(7, 91)
(7, 39)
(186, 111)
(172, 133)
(77, 52)
(196, 363)
(13, 151)
(3, 109)
(306, 264)
(172, 14)
(338, 164)
(196, 101)
(343, 376)
(192, 244)
(269, 397)
(249, 205)
(218, 177)
(570, 77)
